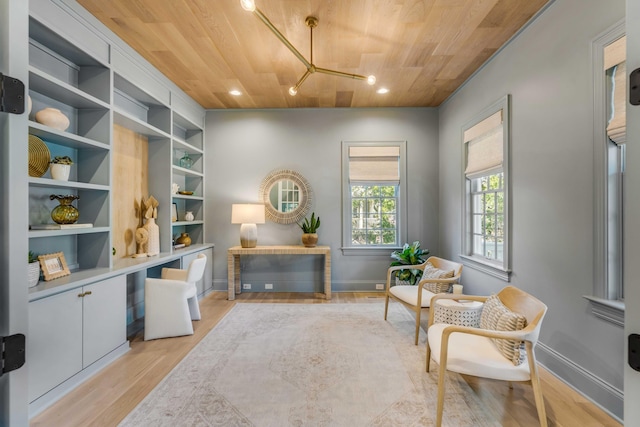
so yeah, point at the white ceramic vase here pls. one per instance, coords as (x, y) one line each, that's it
(189, 216)
(53, 117)
(60, 171)
(153, 244)
(33, 273)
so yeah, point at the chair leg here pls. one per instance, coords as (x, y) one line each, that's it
(194, 308)
(428, 362)
(386, 305)
(441, 380)
(535, 383)
(417, 325)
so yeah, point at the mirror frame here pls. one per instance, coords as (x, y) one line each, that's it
(306, 196)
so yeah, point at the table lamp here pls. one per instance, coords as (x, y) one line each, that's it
(248, 215)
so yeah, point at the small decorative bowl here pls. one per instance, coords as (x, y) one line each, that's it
(186, 193)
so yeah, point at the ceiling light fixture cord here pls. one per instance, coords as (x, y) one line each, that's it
(311, 22)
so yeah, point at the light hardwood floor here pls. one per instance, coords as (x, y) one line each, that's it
(109, 396)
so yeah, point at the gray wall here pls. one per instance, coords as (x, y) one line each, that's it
(547, 70)
(243, 146)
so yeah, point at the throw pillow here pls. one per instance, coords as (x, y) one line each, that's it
(431, 272)
(497, 317)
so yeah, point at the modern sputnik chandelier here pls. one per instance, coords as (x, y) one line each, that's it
(311, 22)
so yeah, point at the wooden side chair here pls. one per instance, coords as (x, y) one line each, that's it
(502, 348)
(438, 276)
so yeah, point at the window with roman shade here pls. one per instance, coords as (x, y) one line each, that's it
(485, 207)
(372, 179)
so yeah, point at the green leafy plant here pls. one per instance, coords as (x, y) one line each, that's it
(62, 160)
(310, 226)
(409, 255)
(32, 257)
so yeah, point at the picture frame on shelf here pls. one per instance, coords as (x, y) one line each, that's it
(53, 265)
(174, 212)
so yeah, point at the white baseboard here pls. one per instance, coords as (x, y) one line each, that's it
(604, 395)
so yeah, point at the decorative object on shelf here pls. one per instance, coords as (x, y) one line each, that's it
(248, 215)
(184, 239)
(174, 212)
(59, 226)
(39, 157)
(186, 161)
(311, 22)
(186, 193)
(53, 266)
(29, 105)
(151, 213)
(53, 117)
(61, 167)
(309, 228)
(33, 269)
(65, 212)
(189, 216)
(174, 188)
(409, 255)
(142, 238)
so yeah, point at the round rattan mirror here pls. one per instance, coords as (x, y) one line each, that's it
(286, 195)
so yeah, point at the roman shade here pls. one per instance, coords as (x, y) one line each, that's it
(484, 147)
(616, 67)
(380, 164)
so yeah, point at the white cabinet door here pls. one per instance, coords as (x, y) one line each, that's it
(104, 318)
(54, 341)
(206, 282)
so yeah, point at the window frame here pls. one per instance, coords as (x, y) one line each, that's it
(499, 269)
(603, 305)
(401, 207)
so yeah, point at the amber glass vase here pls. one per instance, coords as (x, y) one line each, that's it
(65, 212)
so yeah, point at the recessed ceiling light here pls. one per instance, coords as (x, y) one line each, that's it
(382, 90)
(235, 92)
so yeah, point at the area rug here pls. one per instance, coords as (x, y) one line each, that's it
(307, 365)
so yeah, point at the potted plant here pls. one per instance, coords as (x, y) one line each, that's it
(33, 272)
(309, 228)
(61, 167)
(409, 255)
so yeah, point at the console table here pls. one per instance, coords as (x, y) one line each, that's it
(233, 263)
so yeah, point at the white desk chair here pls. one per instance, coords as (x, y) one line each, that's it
(171, 302)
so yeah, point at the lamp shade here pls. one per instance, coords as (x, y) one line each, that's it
(247, 213)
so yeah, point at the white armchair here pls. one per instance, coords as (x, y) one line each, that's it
(443, 274)
(171, 302)
(495, 350)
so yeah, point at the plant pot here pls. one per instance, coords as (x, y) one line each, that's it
(33, 273)
(60, 171)
(309, 240)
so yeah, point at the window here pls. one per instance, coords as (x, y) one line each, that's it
(486, 185)
(487, 216)
(374, 205)
(609, 128)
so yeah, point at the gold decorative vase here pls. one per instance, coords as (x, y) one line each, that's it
(65, 212)
(184, 239)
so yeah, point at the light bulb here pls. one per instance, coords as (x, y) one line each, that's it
(382, 90)
(293, 91)
(235, 92)
(248, 5)
(371, 80)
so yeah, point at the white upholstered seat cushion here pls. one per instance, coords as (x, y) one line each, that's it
(409, 294)
(484, 361)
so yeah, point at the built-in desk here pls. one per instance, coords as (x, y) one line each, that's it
(233, 263)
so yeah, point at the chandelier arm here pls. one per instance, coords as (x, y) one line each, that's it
(281, 37)
(340, 74)
(302, 79)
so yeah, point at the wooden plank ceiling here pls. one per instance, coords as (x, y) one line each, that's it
(420, 50)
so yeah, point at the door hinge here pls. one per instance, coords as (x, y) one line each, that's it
(12, 353)
(11, 95)
(634, 87)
